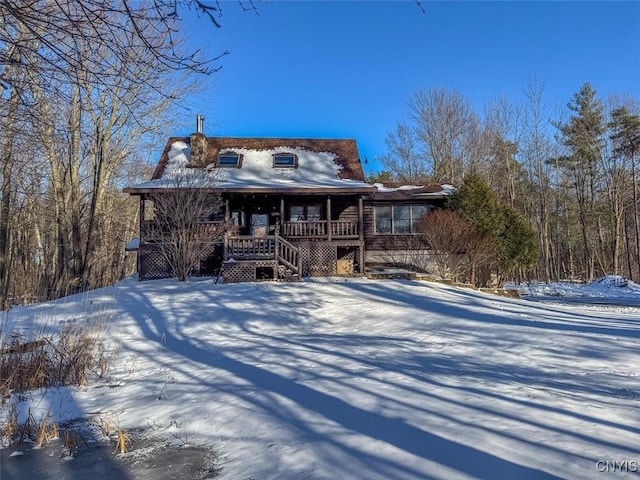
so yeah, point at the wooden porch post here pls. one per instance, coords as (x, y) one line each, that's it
(281, 214)
(361, 233)
(141, 239)
(329, 217)
(142, 197)
(360, 218)
(225, 243)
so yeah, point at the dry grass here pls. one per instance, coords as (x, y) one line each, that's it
(39, 355)
(67, 359)
(47, 431)
(123, 442)
(70, 444)
(105, 426)
(11, 425)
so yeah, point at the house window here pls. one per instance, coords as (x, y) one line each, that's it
(399, 219)
(302, 213)
(238, 218)
(229, 160)
(285, 160)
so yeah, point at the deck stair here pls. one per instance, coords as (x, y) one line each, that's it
(246, 254)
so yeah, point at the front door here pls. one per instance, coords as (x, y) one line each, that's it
(259, 224)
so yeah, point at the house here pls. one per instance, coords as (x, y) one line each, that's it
(300, 207)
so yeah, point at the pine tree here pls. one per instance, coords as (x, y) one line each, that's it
(475, 201)
(513, 238)
(583, 136)
(517, 247)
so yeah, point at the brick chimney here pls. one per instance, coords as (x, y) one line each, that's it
(198, 142)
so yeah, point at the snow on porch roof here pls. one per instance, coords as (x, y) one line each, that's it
(326, 164)
(394, 191)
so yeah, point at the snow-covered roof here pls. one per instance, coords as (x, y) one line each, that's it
(397, 191)
(321, 164)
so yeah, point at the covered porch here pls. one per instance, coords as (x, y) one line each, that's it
(297, 217)
(307, 235)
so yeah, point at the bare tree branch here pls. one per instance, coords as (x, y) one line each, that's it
(180, 214)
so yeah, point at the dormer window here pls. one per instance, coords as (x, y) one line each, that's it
(229, 159)
(284, 160)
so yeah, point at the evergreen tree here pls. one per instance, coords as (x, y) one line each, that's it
(583, 136)
(625, 132)
(475, 201)
(513, 238)
(517, 246)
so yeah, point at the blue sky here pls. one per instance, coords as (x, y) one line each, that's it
(347, 69)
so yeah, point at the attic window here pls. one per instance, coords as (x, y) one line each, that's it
(283, 160)
(229, 159)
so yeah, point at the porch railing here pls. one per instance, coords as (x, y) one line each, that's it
(309, 229)
(251, 247)
(318, 229)
(269, 247)
(341, 229)
(288, 255)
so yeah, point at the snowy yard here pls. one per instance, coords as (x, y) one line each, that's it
(360, 379)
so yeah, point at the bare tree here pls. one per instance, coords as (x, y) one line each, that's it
(84, 87)
(57, 30)
(625, 135)
(403, 158)
(448, 132)
(503, 138)
(536, 147)
(458, 247)
(179, 213)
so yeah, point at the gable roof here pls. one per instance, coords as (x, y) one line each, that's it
(345, 150)
(331, 165)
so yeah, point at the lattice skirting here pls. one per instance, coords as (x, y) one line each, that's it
(319, 259)
(246, 270)
(152, 265)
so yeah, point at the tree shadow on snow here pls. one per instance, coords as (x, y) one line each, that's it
(291, 304)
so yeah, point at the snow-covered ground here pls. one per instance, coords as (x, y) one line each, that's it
(355, 379)
(611, 287)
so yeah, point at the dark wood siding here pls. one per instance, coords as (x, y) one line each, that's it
(344, 209)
